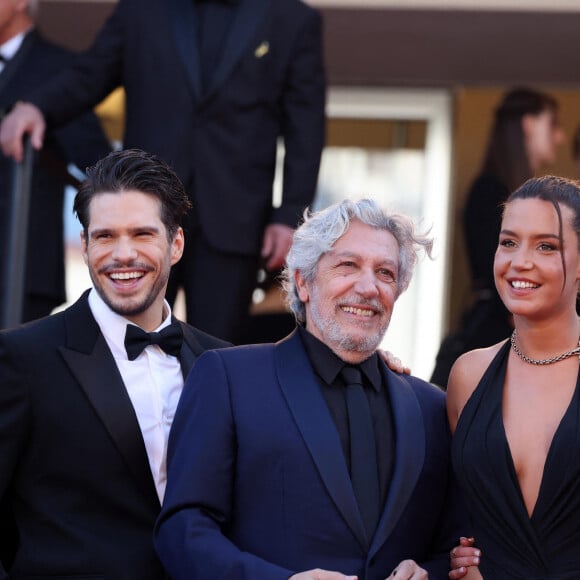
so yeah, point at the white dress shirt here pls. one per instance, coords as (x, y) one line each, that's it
(153, 380)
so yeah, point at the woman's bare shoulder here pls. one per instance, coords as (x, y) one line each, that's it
(464, 378)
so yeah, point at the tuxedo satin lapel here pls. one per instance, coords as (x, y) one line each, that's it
(90, 361)
(309, 409)
(190, 350)
(185, 30)
(249, 15)
(409, 453)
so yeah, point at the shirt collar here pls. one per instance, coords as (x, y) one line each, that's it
(9, 48)
(113, 325)
(327, 364)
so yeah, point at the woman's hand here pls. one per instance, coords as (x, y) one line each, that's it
(462, 557)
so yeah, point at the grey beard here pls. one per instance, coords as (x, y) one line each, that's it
(343, 341)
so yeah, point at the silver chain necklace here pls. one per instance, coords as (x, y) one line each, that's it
(543, 361)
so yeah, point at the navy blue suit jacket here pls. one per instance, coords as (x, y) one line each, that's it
(221, 141)
(258, 486)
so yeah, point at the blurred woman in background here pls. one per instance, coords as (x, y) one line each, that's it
(524, 139)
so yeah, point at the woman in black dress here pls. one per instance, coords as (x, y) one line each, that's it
(514, 407)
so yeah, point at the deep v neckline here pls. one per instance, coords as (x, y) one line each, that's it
(516, 545)
(546, 472)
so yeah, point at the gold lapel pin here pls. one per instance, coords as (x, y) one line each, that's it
(262, 50)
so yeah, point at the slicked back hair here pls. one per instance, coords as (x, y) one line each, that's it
(134, 170)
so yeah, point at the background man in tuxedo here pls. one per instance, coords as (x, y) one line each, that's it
(308, 459)
(26, 61)
(211, 86)
(88, 396)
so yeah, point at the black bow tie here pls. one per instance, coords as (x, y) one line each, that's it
(169, 340)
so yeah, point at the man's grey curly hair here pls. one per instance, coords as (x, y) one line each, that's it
(320, 231)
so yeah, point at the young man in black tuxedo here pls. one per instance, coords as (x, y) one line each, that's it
(88, 395)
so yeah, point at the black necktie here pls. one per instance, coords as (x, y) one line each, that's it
(363, 455)
(169, 340)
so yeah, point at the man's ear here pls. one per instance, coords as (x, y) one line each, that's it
(177, 246)
(301, 286)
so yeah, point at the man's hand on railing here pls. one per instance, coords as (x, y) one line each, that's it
(24, 118)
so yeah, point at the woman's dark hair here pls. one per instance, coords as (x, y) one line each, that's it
(557, 191)
(134, 170)
(506, 154)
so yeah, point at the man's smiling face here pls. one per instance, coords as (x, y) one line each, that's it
(350, 301)
(129, 254)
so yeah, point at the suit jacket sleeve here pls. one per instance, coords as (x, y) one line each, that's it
(303, 122)
(190, 534)
(14, 421)
(83, 141)
(91, 77)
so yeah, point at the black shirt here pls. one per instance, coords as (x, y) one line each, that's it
(327, 366)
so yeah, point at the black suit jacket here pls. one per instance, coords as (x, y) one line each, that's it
(81, 143)
(222, 142)
(73, 465)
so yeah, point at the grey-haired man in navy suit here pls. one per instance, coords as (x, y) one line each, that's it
(309, 459)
